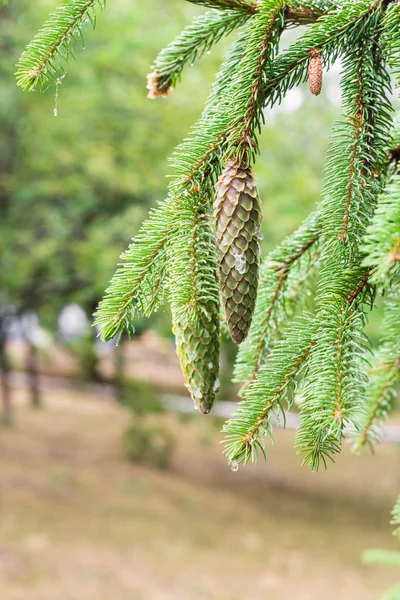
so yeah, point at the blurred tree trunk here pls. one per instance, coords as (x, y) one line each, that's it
(33, 376)
(6, 414)
(8, 159)
(119, 371)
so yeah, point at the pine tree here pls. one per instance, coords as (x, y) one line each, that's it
(350, 245)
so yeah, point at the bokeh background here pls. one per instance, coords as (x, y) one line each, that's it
(110, 485)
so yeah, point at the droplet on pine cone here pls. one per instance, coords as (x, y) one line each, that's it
(238, 217)
(315, 72)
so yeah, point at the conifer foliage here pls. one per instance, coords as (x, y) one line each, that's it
(195, 257)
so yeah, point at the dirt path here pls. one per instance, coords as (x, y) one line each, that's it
(77, 523)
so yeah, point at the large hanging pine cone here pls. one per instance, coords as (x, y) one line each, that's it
(315, 72)
(198, 349)
(238, 217)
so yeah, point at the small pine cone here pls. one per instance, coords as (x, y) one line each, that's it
(198, 349)
(315, 72)
(238, 218)
(156, 88)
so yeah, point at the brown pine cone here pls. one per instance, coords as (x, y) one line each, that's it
(315, 72)
(238, 218)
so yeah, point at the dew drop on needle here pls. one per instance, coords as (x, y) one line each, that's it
(234, 466)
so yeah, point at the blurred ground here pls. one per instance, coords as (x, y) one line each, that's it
(150, 358)
(78, 523)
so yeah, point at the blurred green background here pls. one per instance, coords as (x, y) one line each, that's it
(104, 493)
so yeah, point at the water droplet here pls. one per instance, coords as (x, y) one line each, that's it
(234, 466)
(216, 385)
(210, 365)
(208, 51)
(258, 235)
(57, 94)
(240, 261)
(197, 394)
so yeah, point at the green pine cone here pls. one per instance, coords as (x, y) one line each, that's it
(197, 346)
(238, 218)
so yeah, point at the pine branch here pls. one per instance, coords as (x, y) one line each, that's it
(194, 298)
(297, 13)
(383, 376)
(265, 395)
(335, 384)
(396, 517)
(194, 295)
(205, 31)
(41, 63)
(243, 5)
(192, 261)
(137, 286)
(334, 32)
(144, 263)
(390, 39)
(197, 155)
(304, 13)
(271, 300)
(382, 242)
(197, 162)
(193, 245)
(246, 107)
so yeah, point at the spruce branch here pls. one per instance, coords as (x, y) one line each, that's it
(396, 517)
(42, 61)
(195, 288)
(247, 103)
(145, 260)
(196, 39)
(336, 382)
(197, 155)
(137, 286)
(304, 13)
(271, 306)
(382, 242)
(229, 125)
(271, 79)
(333, 33)
(194, 297)
(265, 395)
(335, 385)
(191, 250)
(383, 376)
(390, 39)
(243, 5)
(193, 245)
